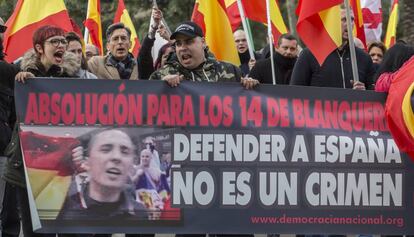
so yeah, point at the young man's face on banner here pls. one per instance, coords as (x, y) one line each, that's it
(111, 155)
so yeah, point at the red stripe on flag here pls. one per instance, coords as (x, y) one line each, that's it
(198, 18)
(119, 11)
(393, 108)
(93, 29)
(233, 14)
(136, 48)
(21, 41)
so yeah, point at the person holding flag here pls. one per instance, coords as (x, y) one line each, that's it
(314, 69)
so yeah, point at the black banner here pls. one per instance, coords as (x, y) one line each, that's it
(142, 157)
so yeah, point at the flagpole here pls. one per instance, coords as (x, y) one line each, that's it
(86, 33)
(154, 4)
(246, 30)
(270, 36)
(351, 42)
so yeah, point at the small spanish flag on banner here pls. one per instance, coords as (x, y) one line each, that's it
(319, 26)
(211, 16)
(28, 16)
(399, 108)
(392, 26)
(122, 15)
(93, 24)
(48, 163)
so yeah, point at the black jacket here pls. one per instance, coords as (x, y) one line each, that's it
(79, 206)
(14, 171)
(7, 112)
(145, 59)
(244, 62)
(308, 72)
(283, 66)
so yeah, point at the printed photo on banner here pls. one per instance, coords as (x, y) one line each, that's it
(99, 174)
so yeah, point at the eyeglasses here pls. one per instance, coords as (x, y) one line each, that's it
(56, 42)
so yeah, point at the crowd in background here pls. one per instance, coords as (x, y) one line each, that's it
(186, 56)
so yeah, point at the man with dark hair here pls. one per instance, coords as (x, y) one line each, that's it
(119, 63)
(284, 59)
(111, 154)
(192, 61)
(75, 46)
(336, 71)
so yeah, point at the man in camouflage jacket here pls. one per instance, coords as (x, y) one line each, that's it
(191, 61)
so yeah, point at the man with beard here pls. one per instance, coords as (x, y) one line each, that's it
(246, 63)
(284, 59)
(119, 63)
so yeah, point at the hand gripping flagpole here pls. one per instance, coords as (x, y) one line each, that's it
(246, 29)
(154, 4)
(351, 42)
(270, 36)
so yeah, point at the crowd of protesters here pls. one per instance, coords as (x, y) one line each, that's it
(186, 56)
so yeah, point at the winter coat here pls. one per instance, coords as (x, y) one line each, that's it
(7, 113)
(211, 70)
(283, 66)
(103, 69)
(79, 206)
(384, 80)
(336, 71)
(69, 68)
(14, 171)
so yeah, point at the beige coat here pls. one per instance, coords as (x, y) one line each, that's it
(99, 66)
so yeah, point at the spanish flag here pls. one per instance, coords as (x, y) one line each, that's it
(93, 24)
(319, 26)
(211, 16)
(399, 108)
(392, 26)
(48, 164)
(256, 11)
(359, 30)
(122, 15)
(28, 16)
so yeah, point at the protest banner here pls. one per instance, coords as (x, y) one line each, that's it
(211, 158)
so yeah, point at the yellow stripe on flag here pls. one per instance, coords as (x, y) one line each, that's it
(36, 10)
(49, 191)
(218, 34)
(277, 18)
(392, 26)
(126, 19)
(407, 110)
(228, 3)
(331, 19)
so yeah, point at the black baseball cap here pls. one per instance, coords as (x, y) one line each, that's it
(188, 28)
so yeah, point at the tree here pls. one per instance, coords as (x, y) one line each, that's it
(407, 20)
